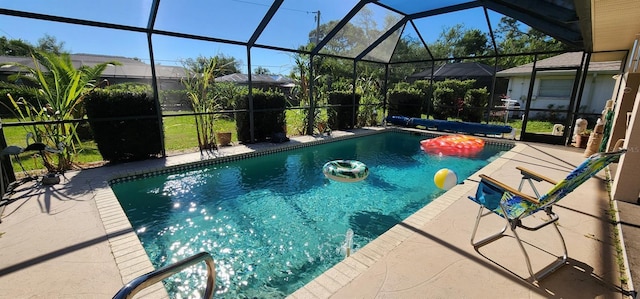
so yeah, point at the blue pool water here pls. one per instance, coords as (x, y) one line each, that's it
(274, 222)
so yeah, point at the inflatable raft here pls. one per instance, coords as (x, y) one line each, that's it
(453, 145)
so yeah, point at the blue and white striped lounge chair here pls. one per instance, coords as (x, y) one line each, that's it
(513, 205)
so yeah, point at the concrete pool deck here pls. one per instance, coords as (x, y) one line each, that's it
(72, 240)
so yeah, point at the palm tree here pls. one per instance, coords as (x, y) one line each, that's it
(60, 89)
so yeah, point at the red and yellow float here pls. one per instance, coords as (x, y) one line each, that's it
(453, 145)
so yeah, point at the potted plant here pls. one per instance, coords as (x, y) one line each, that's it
(223, 138)
(582, 139)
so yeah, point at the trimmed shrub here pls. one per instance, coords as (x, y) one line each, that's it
(475, 102)
(266, 123)
(426, 89)
(407, 102)
(127, 139)
(444, 100)
(341, 117)
(448, 97)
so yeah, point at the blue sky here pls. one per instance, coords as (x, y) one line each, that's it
(226, 19)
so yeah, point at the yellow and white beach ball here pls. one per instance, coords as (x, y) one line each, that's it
(445, 179)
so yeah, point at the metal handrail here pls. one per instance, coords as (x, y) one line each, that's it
(143, 281)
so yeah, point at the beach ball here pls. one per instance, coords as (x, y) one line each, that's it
(445, 179)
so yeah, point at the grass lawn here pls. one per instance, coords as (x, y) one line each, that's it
(180, 132)
(533, 126)
(181, 136)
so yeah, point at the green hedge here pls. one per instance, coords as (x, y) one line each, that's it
(448, 97)
(406, 102)
(342, 118)
(124, 140)
(6, 107)
(475, 104)
(266, 123)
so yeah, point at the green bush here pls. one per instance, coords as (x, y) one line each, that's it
(342, 116)
(427, 93)
(448, 97)
(129, 139)
(6, 107)
(444, 100)
(475, 102)
(267, 122)
(407, 102)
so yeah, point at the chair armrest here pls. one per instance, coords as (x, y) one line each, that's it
(511, 190)
(526, 173)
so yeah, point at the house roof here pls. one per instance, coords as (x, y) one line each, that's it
(457, 70)
(136, 69)
(129, 68)
(255, 78)
(571, 59)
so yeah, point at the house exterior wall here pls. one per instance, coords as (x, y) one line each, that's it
(597, 90)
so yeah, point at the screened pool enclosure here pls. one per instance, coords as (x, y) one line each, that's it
(385, 57)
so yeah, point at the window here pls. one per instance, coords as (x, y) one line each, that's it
(555, 88)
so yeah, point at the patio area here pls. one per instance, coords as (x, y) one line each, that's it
(72, 240)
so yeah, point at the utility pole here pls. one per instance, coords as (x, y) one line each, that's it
(317, 13)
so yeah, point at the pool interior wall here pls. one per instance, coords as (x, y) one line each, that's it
(191, 166)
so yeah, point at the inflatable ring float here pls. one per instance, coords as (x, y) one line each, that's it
(347, 171)
(453, 145)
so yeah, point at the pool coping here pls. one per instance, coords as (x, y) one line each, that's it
(133, 261)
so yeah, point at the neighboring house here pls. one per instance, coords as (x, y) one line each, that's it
(130, 70)
(264, 82)
(135, 71)
(552, 89)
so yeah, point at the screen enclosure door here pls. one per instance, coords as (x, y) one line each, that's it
(547, 115)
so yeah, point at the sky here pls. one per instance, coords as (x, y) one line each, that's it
(233, 20)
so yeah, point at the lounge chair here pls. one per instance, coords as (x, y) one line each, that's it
(514, 206)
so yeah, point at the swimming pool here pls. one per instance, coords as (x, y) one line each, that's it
(273, 222)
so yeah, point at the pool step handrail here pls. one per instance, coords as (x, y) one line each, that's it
(143, 281)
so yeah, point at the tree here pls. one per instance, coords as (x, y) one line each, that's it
(345, 42)
(224, 65)
(14, 47)
(262, 71)
(407, 49)
(18, 47)
(512, 37)
(49, 43)
(456, 42)
(473, 43)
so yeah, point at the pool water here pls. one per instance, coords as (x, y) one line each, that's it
(274, 222)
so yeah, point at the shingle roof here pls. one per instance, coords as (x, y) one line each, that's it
(255, 78)
(571, 59)
(457, 70)
(130, 68)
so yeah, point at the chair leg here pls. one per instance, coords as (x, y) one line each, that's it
(487, 239)
(524, 252)
(551, 267)
(562, 259)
